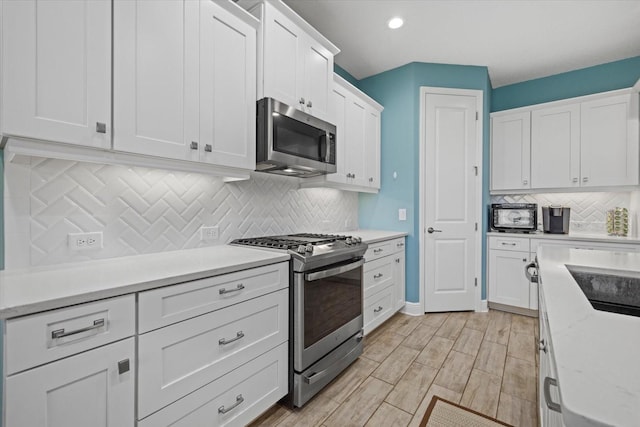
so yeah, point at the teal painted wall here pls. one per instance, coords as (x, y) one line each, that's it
(599, 78)
(345, 75)
(398, 90)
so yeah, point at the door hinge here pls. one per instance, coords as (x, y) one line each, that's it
(476, 115)
(475, 282)
(476, 226)
(475, 168)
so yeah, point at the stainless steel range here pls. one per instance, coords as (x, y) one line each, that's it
(326, 306)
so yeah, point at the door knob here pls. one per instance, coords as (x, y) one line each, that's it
(432, 230)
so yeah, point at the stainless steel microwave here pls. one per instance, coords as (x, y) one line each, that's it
(518, 217)
(293, 143)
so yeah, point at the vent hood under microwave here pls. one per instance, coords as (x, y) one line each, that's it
(291, 142)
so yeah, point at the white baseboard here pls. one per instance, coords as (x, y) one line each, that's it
(484, 306)
(412, 309)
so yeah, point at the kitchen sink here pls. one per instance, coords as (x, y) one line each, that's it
(609, 290)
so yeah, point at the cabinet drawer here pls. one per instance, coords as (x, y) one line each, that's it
(180, 358)
(509, 243)
(378, 274)
(398, 245)
(171, 304)
(44, 337)
(378, 250)
(378, 308)
(253, 387)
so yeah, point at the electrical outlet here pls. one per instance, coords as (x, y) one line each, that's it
(209, 233)
(402, 214)
(85, 241)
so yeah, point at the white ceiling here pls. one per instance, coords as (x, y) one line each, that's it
(517, 40)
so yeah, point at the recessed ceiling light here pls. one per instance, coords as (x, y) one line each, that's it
(395, 23)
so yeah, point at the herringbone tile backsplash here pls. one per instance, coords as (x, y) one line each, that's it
(588, 210)
(143, 210)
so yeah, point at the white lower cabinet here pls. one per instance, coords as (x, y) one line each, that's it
(383, 282)
(234, 399)
(95, 388)
(548, 387)
(507, 283)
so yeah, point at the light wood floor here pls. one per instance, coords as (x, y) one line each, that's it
(484, 361)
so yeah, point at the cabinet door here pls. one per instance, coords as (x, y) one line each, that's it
(337, 116)
(399, 279)
(609, 136)
(555, 147)
(372, 148)
(510, 151)
(57, 71)
(227, 88)
(283, 60)
(318, 78)
(82, 390)
(507, 283)
(355, 150)
(156, 77)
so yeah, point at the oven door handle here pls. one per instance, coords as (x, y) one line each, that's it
(310, 277)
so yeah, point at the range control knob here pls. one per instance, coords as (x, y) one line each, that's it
(302, 249)
(309, 247)
(357, 240)
(349, 240)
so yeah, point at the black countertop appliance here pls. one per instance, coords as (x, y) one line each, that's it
(555, 219)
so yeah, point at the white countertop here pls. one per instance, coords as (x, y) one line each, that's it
(374, 236)
(571, 236)
(597, 354)
(27, 291)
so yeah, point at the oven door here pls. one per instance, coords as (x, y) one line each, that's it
(327, 310)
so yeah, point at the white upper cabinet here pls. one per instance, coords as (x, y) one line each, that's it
(56, 74)
(609, 136)
(185, 81)
(296, 61)
(511, 151)
(555, 147)
(357, 120)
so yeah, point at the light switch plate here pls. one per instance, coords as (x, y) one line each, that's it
(402, 214)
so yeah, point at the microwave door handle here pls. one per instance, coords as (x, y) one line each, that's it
(310, 277)
(324, 151)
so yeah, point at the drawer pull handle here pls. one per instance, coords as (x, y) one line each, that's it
(226, 291)
(377, 310)
(60, 333)
(548, 382)
(377, 276)
(400, 245)
(239, 400)
(377, 251)
(123, 366)
(507, 244)
(224, 341)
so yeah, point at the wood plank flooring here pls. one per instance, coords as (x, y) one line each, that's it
(484, 361)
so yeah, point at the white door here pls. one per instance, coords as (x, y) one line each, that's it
(609, 136)
(156, 78)
(555, 147)
(79, 391)
(57, 71)
(227, 88)
(450, 203)
(511, 151)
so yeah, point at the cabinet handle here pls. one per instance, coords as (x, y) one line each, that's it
(348, 175)
(60, 333)
(377, 251)
(377, 276)
(309, 104)
(525, 182)
(524, 260)
(507, 244)
(377, 310)
(399, 245)
(194, 145)
(548, 382)
(585, 179)
(101, 127)
(398, 260)
(123, 366)
(302, 101)
(353, 175)
(542, 346)
(207, 148)
(239, 400)
(575, 180)
(239, 287)
(224, 341)
(370, 179)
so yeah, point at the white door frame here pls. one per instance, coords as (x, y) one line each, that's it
(424, 90)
